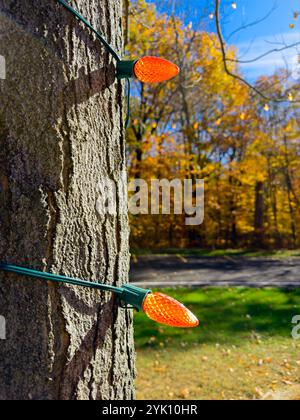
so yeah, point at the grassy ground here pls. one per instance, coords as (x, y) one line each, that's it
(241, 350)
(217, 253)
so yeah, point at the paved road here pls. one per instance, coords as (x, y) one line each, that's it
(164, 271)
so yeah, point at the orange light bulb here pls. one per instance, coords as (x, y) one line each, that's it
(154, 69)
(168, 311)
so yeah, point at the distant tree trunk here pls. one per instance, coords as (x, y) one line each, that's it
(232, 212)
(259, 214)
(62, 133)
(272, 188)
(290, 193)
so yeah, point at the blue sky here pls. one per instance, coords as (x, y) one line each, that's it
(272, 33)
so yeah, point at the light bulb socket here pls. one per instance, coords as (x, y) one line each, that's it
(133, 295)
(125, 69)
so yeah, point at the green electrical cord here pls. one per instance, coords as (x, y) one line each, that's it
(127, 122)
(57, 278)
(86, 23)
(128, 294)
(108, 47)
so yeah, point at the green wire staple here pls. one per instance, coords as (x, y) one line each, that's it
(129, 294)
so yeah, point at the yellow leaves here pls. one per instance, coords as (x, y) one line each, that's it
(232, 140)
(292, 130)
(201, 371)
(146, 29)
(295, 17)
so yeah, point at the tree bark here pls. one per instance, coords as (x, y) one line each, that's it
(61, 134)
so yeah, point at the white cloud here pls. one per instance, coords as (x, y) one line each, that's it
(272, 62)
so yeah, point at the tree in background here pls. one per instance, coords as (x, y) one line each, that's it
(208, 124)
(61, 133)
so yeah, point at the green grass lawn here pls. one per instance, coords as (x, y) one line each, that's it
(217, 253)
(242, 349)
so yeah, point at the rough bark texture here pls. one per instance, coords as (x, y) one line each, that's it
(61, 133)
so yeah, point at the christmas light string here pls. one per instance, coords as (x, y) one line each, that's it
(157, 306)
(147, 69)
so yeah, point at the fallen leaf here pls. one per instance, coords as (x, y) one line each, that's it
(287, 382)
(184, 393)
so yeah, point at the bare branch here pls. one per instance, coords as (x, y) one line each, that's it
(226, 60)
(257, 22)
(252, 60)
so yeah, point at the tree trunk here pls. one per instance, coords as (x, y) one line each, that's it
(126, 13)
(290, 194)
(62, 134)
(259, 215)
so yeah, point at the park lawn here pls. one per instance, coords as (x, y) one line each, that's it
(196, 252)
(242, 349)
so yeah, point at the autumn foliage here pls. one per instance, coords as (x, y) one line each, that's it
(204, 124)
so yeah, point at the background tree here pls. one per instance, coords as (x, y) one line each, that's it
(208, 124)
(61, 134)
